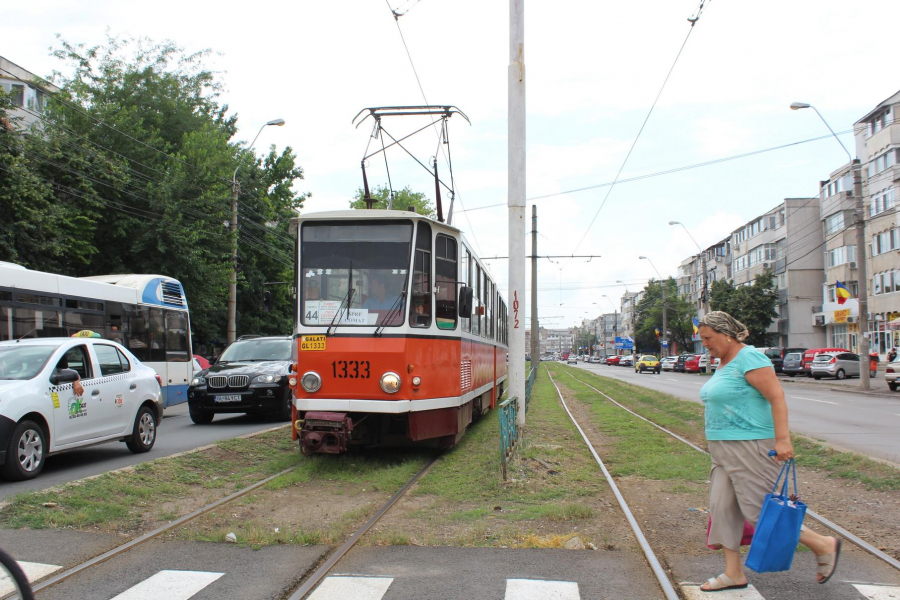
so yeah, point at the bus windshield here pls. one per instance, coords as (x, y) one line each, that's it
(373, 258)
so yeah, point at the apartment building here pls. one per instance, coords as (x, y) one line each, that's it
(877, 136)
(788, 240)
(552, 341)
(628, 303)
(28, 91)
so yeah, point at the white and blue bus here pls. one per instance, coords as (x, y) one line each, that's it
(148, 314)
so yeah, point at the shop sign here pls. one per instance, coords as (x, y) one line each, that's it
(841, 316)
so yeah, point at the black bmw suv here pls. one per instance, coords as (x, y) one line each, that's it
(250, 377)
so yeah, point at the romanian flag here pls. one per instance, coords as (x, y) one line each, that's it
(656, 331)
(696, 325)
(841, 292)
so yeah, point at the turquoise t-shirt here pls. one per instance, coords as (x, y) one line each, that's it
(735, 410)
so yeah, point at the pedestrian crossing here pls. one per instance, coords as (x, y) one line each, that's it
(173, 584)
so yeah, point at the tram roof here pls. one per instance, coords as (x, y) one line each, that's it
(364, 214)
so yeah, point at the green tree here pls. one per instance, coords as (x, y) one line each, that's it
(753, 305)
(403, 199)
(132, 172)
(679, 315)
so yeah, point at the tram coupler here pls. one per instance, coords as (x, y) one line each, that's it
(325, 433)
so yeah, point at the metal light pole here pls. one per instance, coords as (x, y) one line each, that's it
(704, 295)
(862, 273)
(665, 333)
(516, 202)
(232, 284)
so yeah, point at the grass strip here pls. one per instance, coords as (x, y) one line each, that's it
(686, 419)
(167, 488)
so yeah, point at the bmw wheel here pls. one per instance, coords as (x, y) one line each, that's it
(143, 435)
(26, 452)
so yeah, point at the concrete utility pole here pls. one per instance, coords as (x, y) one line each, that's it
(862, 268)
(535, 330)
(516, 203)
(232, 284)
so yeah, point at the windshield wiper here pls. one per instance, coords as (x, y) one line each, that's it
(348, 299)
(388, 316)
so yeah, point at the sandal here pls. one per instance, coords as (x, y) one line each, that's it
(723, 582)
(827, 563)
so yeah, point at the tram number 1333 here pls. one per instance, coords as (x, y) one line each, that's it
(350, 369)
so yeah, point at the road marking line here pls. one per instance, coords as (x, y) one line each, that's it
(358, 588)
(878, 592)
(528, 589)
(33, 571)
(171, 585)
(693, 592)
(813, 400)
(672, 379)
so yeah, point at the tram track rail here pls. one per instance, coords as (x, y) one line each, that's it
(308, 581)
(854, 539)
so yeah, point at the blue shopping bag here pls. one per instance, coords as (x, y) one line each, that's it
(778, 528)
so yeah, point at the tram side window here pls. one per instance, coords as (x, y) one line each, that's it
(420, 308)
(176, 347)
(465, 279)
(486, 328)
(476, 302)
(445, 271)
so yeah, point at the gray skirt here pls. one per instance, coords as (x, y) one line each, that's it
(741, 475)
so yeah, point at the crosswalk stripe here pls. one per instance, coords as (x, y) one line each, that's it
(878, 592)
(170, 584)
(358, 588)
(693, 592)
(531, 589)
(33, 571)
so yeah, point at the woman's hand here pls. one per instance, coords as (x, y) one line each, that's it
(784, 450)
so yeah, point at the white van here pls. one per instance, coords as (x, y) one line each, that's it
(41, 413)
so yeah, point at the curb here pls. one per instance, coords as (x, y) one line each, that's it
(848, 390)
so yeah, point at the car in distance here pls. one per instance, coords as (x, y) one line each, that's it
(647, 362)
(692, 363)
(891, 373)
(250, 377)
(679, 364)
(572, 360)
(40, 413)
(626, 361)
(792, 364)
(839, 365)
(612, 359)
(595, 360)
(668, 363)
(810, 355)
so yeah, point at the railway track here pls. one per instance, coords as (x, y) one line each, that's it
(309, 580)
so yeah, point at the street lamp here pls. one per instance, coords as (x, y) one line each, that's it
(232, 285)
(665, 333)
(862, 273)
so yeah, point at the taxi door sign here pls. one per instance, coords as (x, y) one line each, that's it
(312, 342)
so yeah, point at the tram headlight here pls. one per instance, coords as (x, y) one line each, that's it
(311, 381)
(198, 381)
(390, 382)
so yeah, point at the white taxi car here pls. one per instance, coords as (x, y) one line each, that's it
(40, 413)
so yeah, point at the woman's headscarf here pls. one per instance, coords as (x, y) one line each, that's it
(724, 323)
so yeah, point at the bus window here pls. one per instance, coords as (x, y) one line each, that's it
(445, 278)
(75, 322)
(176, 337)
(420, 308)
(137, 332)
(157, 327)
(6, 324)
(31, 323)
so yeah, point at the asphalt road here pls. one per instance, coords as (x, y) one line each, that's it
(176, 434)
(864, 423)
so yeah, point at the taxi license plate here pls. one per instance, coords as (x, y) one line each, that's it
(228, 398)
(312, 342)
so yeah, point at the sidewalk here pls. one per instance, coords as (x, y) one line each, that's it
(878, 387)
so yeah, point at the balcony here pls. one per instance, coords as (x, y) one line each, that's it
(782, 297)
(780, 266)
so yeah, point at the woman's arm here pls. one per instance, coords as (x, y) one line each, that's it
(765, 381)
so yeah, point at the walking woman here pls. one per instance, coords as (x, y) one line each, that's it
(746, 416)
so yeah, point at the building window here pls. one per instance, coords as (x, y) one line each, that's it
(840, 256)
(880, 202)
(834, 223)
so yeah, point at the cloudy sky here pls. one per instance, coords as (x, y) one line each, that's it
(593, 69)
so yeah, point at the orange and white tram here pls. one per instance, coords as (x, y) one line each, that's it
(401, 333)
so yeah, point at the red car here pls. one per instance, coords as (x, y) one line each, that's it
(613, 360)
(692, 364)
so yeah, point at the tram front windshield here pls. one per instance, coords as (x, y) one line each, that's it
(371, 258)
